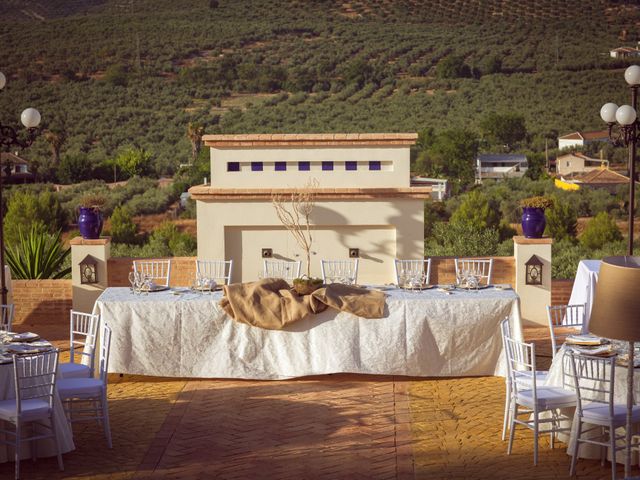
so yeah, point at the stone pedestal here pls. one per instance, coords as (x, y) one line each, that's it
(533, 298)
(85, 295)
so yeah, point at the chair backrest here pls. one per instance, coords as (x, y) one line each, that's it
(83, 331)
(158, 270)
(564, 316)
(105, 349)
(407, 269)
(219, 270)
(6, 318)
(480, 267)
(35, 377)
(340, 271)
(281, 269)
(521, 364)
(594, 379)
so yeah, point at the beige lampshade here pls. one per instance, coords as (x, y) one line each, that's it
(616, 304)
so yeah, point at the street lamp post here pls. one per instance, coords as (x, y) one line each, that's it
(626, 135)
(9, 137)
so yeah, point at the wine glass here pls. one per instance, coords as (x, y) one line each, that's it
(132, 281)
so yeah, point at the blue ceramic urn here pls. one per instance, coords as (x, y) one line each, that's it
(533, 222)
(90, 222)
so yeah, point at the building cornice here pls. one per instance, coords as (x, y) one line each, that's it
(311, 140)
(209, 193)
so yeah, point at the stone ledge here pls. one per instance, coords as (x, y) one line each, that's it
(310, 139)
(85, 241)
(203, 192)
(522, 240)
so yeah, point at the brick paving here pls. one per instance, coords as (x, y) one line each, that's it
(327, 427)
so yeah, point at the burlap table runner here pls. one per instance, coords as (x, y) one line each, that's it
(270, 303)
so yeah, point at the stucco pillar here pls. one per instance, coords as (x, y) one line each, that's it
(84, 295)
(533, 298)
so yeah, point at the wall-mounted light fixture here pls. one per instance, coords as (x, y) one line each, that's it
(88, 270)
(267, 252)
(534, 271)
(354, 253)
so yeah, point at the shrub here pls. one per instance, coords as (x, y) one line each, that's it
(38, 255)
(462, 239)
(27, 209)
(600, 231)
(123, 229)
(476, 211)
(151, 201)
(562, 221)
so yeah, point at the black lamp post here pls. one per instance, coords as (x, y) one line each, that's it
(9, 137)
(626, 135)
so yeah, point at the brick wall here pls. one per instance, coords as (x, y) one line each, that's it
(42, 301)
(443, 270)
(561, 291)
(183, 270)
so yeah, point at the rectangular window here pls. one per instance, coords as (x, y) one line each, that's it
(256, 166)
(281, 166)
(327, 166)
(374, 165)
(351, 165)
(304, 166)
(233, 166)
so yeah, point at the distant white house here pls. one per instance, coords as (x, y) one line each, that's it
(580, 139)
(440, 188)
(578, 162)
(20, 172)
(499, 166)
(624, 52)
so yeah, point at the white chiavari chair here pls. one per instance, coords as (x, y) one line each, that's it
(482, 268)
(35, 385)
(6, 317)
(564, 316)
(287, 270)
(409, 269)
(159, 271)
(90, 391)
(340, 271)
(218, 270)
(83, 331)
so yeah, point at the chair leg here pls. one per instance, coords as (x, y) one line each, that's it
(105, 420)
(554, 425)
(576, 450)
(612, 439)
(17, 449)
(52, 419)
(512, 427)
(507, 410)
(34, 443)
(603, 449)
(536, 429)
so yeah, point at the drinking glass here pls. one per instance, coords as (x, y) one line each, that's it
(132, 281)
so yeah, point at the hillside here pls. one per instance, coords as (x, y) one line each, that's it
(119, 72)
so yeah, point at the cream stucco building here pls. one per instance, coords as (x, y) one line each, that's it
(364, 200)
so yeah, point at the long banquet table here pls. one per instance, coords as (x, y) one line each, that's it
(180, 333)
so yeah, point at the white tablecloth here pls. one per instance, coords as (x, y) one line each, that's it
(46, 447)
(424, 334)
(584, 287)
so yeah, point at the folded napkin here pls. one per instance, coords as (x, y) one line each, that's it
(270, 303)
(586, 339)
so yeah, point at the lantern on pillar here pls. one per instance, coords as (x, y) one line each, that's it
(534, 271)
(88, 270)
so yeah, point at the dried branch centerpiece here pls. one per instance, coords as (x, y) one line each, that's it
(294, 212)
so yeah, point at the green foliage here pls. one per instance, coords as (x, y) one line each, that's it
(600, 231)
(116, 75)
(74, 168)
(453, 66)
(503, 129)
(165, 241)
(450, 154)
(462, 239)
(123, 229)
(156, 200)
(38, 255)
(434, 212)
(562, 221)
(476, 211)
(490, 64)
(134, 161)
(26, 209)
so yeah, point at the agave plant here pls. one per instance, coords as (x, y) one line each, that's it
(38, 255)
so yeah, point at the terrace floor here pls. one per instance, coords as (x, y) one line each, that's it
(329, 427)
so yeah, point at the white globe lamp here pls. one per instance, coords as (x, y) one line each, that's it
(608, 112)
(30, 118)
